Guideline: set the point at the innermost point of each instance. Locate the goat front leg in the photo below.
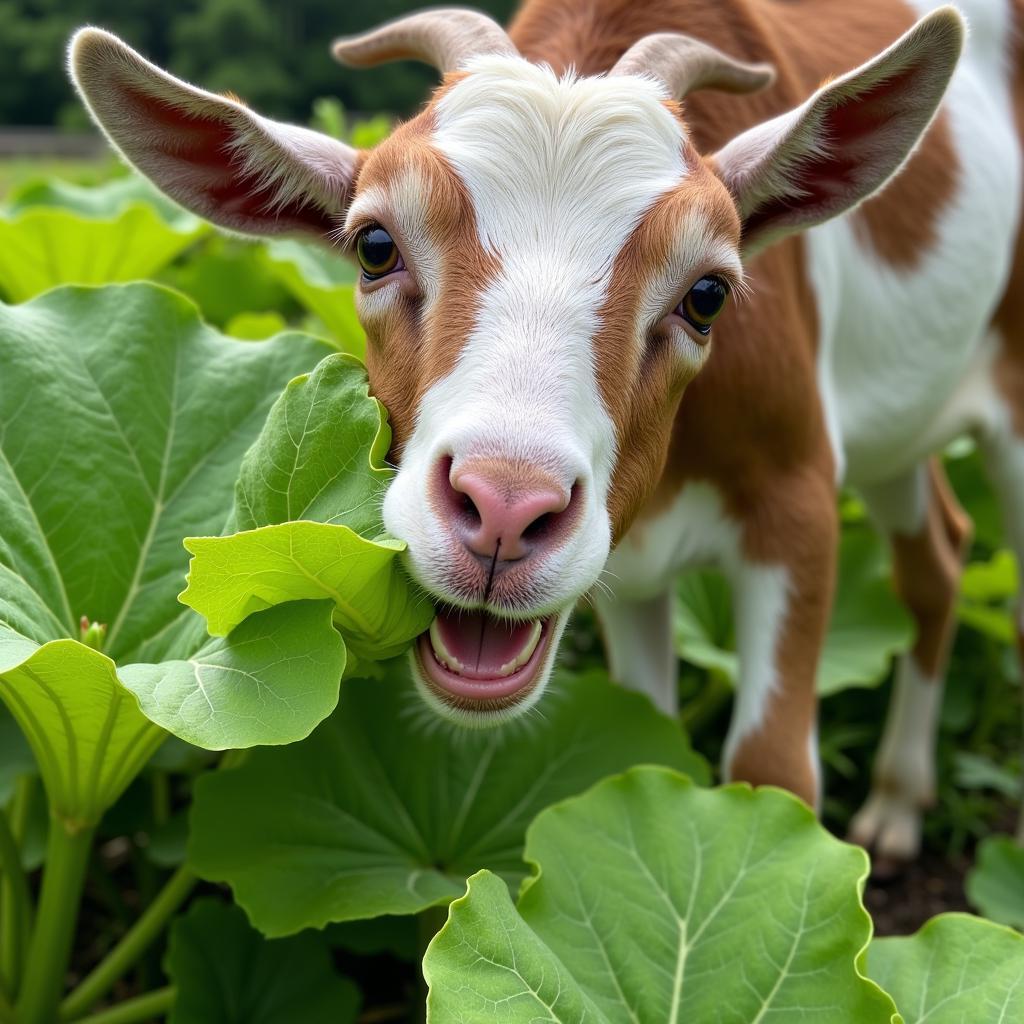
(638, 644)
(782, 581)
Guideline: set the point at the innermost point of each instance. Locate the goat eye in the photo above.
(703, 302)
(377, 252)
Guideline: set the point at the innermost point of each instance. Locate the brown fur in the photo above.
(642, 388)
(409, 350)
(927, 568)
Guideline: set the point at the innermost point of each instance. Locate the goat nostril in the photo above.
(470, 510)
(538, 527)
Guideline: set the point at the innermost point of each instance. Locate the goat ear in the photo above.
(846, 141)
(210, 153)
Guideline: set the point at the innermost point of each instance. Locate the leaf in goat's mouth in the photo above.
(480, 646)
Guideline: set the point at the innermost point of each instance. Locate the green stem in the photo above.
(153, 1004)
(135, 942)
(6, 1011)
(67, 854)
(16, 919)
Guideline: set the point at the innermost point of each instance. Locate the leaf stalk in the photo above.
(133, 1011)
(49, 951)
(16, 919)
(131, 947)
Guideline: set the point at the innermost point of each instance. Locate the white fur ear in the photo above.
(210, 153)
(846, 141)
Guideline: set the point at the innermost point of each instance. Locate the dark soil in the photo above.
(933, 884)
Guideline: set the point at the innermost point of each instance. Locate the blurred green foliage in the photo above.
(272, 53)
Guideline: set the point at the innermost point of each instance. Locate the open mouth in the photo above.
(475, 661)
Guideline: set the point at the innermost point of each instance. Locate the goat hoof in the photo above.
(889, 828)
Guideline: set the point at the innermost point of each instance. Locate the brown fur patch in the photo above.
(901, 223)
(412, 348)
(641, 384)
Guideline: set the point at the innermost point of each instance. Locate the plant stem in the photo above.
(6, 1011)
(67, 854)
(153, 1004)
(131, 947)
(16, 919)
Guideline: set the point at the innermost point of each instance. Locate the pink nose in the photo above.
(504, 510)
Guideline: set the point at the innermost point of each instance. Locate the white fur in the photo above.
(761, 597)
(639, 641)
(900, 352)
(890, 821)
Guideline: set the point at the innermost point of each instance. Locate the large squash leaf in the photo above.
(382, 811)
(995, 885)
(100, 202)
(308, 500)
(57, 233)
(868, 625)
(654, 900)
(226, 973)
(957, 969)
(123, 420)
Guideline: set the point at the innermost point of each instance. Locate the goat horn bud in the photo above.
(684, 64)
(445, 37)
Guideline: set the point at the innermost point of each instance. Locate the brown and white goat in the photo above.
(544, 250)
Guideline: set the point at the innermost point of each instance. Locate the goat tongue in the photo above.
(479, 646)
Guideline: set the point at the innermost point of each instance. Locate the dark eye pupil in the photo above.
(707, 297)
(376, 249)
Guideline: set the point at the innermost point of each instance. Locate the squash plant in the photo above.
(123, 423)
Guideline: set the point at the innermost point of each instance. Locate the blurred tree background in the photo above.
(272, 53)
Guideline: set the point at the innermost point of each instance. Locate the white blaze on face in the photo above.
(559, 172)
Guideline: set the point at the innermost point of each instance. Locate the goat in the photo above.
(544, 251)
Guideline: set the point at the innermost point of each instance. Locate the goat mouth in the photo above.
(475, 661)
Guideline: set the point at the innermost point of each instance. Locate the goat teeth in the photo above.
(525, 654)
(441, 652)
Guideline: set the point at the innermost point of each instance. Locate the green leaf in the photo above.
(15, 755)
(227, 277)
(255, 326)
(383, 811)
(375, 607)
(995, 885)
(324, 283)
(957, 969)
(86, 732)
(987, 593)
(654, 900)
(274, 679)
(319, 460)
(123, 421)
(101, 202)
(226, 973)
(43, 247)
(868, 626)
(321, 454)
